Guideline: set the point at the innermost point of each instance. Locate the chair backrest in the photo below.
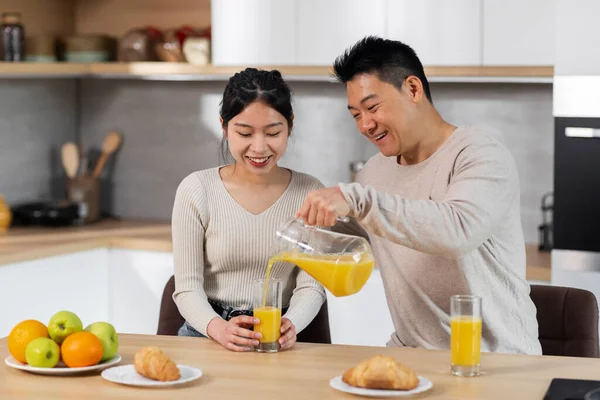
(317, 331)
(170, 320)
(567, 321)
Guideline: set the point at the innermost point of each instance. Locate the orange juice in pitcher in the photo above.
(341, 263)
(341, 275)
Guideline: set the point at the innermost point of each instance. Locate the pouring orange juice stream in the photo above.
(341, 275)
(341, 263)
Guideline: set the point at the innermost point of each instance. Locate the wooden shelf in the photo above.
(184, 71)
(42, 70)
(188, 72)
(500, 71)
(501, 74)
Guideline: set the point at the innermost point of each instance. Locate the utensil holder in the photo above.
(85, 191)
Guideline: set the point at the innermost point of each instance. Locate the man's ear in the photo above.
(415, 88)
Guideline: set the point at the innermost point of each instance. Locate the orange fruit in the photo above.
(23, 333)
(81, 349)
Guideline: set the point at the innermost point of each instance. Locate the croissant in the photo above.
(381, 372)
(152, 363)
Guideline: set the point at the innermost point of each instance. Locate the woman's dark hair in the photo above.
(390, 60)
(252, 85)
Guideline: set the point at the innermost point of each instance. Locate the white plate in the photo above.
(338, 384)
(127, 375)
(61, 368)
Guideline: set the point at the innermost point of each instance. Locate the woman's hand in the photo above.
(234, 334)
(288, 334)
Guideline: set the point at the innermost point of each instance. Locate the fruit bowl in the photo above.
(61, 368)
(62, 347)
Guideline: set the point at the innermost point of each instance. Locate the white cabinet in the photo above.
(327, 28)
(253, 32)
(362, 318)
(123, 287)
(578, 43)
(37, 289)
(442, 32)
(136, 280)
(519, 32)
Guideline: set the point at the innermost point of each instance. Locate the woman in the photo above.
(225, 219)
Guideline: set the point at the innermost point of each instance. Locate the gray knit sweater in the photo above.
(219, 248)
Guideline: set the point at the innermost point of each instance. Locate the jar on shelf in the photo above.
(13, 37)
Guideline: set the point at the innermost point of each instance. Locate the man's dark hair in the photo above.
(390, 60)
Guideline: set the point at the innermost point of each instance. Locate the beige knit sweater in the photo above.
(219, 248)
(449, 225)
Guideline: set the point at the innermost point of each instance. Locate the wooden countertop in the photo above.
(29, 243)
(23, 244)
(302, 372)
(538, 264)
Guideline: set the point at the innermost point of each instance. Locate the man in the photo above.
(440, 205)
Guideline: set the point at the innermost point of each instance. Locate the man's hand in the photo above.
(323, 206)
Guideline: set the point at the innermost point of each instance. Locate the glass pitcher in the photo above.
(341, 263)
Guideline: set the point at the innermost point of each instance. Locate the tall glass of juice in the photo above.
(465, 334)
(267, 308)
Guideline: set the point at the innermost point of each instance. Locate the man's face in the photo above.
(382, 113)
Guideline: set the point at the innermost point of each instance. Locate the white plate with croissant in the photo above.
(151, 367)
(380, 376)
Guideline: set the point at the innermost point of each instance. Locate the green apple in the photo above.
(108, 336)
(62, 324)
(42, 352)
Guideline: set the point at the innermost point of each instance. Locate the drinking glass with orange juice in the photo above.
(465, 334)
(267, 308)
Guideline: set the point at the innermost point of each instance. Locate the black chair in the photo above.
(567, 320)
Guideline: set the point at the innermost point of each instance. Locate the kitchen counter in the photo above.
(26, 243)
(303, 372)
(29, 243)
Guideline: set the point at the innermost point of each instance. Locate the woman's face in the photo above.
(257, 138)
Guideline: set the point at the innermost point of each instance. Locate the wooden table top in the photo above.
(302, 372)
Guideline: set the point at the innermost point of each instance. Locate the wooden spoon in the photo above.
(111, 143)
(70, 159)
